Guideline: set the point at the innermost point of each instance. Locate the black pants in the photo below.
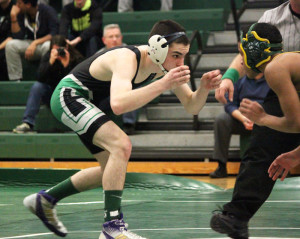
(253, 185)
(3, 66)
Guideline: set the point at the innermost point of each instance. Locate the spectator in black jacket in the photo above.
(55, 64)
(81, 24)
(32, 27)
(5, 34)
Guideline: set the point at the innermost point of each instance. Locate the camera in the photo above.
(61, 51)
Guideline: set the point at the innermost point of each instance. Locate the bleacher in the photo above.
(166, 140)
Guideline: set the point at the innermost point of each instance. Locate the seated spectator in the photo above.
(5, 36)
(81, 24)
(252, 86)
(112, 37)
(135, 5)
(55, 64)
(32, 26)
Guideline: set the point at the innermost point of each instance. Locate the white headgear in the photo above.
(158, 47)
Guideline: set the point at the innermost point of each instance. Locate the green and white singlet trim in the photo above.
(70, 103)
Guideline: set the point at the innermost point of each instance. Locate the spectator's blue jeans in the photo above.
(39, 93)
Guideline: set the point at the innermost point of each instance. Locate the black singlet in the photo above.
(101, 89)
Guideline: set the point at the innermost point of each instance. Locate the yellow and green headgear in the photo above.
(257, 50)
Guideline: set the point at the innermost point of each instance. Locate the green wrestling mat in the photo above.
(154, 206)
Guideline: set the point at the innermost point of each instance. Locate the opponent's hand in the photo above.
(252, 110)
(176, 77)
(211, 80)
(282, 165)
(225, 86)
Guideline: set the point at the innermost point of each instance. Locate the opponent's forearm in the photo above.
(296, 151)
(281, 124)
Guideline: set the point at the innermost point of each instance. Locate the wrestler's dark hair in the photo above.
(166, 27)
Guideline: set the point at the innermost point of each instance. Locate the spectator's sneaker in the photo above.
(42, 205)
(22, 128)
(227, 223)
(117, 229)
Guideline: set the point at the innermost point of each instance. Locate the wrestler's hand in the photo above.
(252, 110)
(211, 80)
(226, 86)
(176, 77)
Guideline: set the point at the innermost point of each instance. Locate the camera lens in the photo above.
(61, 51)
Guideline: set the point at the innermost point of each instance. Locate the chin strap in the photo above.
(163, 69)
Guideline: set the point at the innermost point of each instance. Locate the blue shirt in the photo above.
(251, 89)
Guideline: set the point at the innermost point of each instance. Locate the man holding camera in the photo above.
(55, 64)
